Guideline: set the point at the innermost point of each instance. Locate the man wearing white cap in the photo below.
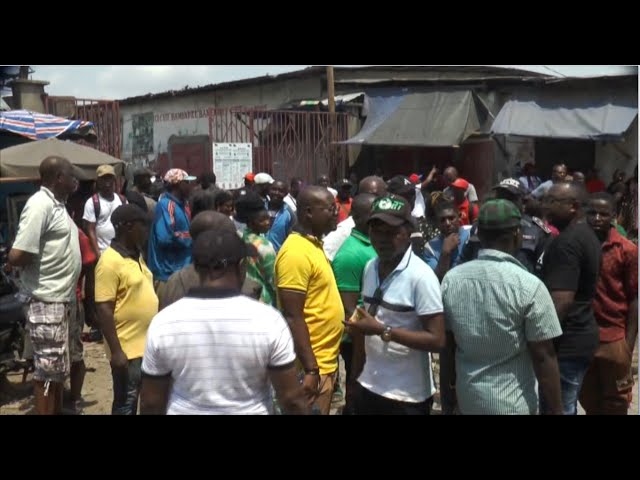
(170, 241)
(263, 182)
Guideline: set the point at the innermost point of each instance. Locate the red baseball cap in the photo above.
(460, 183)
(250, 176)
(414, 178)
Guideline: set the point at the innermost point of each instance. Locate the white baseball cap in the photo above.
(263, 178)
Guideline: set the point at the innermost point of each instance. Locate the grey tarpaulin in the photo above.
(590, 115)
(427, 117)
(24, 160)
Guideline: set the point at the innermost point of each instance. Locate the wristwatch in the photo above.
(386, 334)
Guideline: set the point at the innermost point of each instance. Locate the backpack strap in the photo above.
(96, 206)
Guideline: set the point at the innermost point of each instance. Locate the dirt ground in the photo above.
(16, 397)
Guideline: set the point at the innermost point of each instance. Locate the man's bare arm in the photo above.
(154, 395)
(545, 366)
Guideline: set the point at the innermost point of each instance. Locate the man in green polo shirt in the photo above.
(348, 268)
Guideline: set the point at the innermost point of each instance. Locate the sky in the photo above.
(116, 82)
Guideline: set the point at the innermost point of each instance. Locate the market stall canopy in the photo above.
(40, 126)
(23, 161)
(430, 117)
(599, 114)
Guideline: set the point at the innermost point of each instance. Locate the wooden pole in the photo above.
(331, 90)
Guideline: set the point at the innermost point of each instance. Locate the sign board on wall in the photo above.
(231, 162)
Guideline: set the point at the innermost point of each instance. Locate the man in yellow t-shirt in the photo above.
(126, 302)
(308, 296)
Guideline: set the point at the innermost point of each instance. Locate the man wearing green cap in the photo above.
(500, 323)
(402, 323)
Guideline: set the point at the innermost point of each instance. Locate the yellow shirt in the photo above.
(302, 266)
(129, 284)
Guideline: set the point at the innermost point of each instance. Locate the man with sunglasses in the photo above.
(402, 322)
(308, 296)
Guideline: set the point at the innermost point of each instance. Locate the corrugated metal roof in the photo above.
(417, 73)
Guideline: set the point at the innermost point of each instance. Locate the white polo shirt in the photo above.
(218, 350)
(392, 370)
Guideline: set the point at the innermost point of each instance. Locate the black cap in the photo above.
(140, 172)
(392, 210)
(128, 213)
(248, 204)
(345, 182)
(219, 249)
(400, 185)
(513, 186)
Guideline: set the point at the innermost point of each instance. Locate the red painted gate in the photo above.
(286, 144)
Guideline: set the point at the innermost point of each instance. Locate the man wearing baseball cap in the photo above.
(500, 323)
(263, 182)
(126, 302)
(402, 320)
(344, 200)
(98, 209)
(170, 241)
(536, 236)
(249, 179)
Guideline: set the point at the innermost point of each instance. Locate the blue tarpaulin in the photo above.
(40, 126)
(595, 115)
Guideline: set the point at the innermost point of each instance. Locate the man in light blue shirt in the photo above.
(558, 175)
(284, 219)
(500, 323)
(444, 252)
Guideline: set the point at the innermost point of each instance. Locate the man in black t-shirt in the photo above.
(571, 268)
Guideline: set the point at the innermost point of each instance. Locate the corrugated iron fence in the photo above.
(105, 115)
(286, 144)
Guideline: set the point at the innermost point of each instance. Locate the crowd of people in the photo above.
(242, 302)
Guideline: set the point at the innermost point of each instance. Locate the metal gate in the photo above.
(105, 115)
(286, 144)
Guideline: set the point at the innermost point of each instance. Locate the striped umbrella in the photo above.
(40, 126)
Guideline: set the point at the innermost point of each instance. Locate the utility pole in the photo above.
(331, 90)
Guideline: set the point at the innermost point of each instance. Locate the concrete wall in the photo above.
(622, 155)
(147, 126)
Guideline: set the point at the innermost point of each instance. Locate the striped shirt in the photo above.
(218, 351)
(494, 307)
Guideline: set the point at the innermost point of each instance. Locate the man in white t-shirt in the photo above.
(294, 189)
(402, 323)
(216, 351)
(98, 227)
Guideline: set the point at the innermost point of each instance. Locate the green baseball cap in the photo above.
(392, 210)
(499, 215)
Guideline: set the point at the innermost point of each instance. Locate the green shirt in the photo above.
(262, 268)
(348, 264)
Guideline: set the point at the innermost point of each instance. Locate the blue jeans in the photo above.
(572, 372)
(126, 388)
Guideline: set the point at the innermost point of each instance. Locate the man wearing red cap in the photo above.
(450, 175)
(468, 211)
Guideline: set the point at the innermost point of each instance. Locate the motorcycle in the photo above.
(12, 321)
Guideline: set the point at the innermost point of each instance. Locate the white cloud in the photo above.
(121, 81)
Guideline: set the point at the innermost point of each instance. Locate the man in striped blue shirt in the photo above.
(500, 323)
